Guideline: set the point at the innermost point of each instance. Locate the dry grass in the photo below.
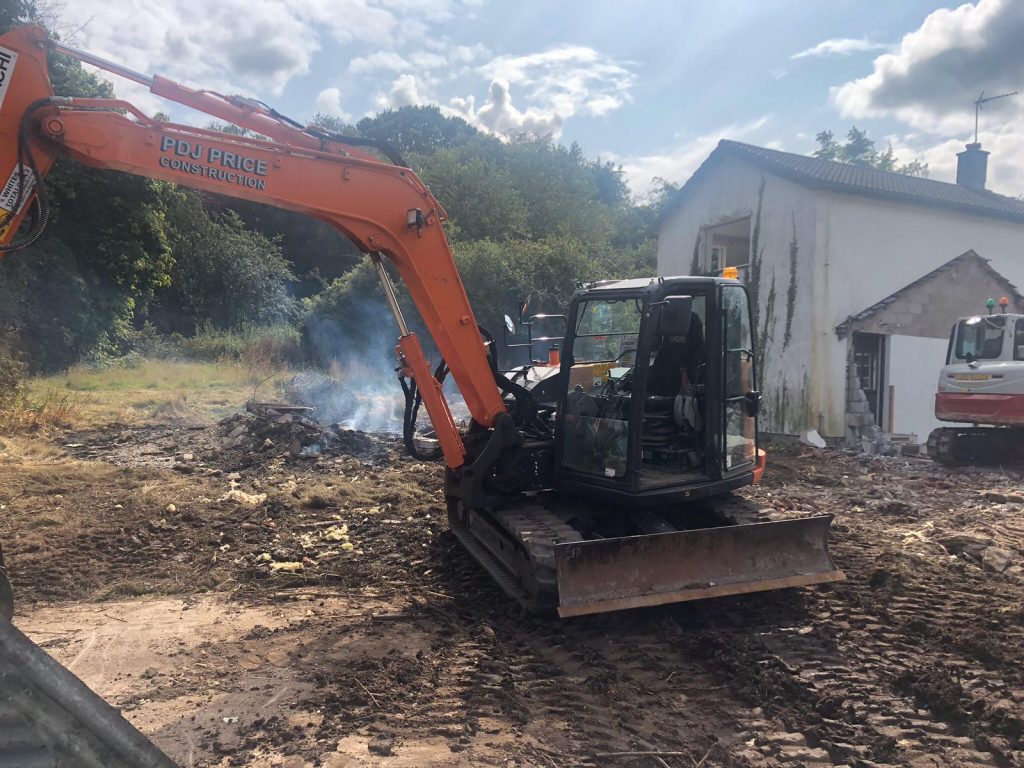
(88, 529)
(157, 391)
(48, 409)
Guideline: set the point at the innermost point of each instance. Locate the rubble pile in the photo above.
(283, 428)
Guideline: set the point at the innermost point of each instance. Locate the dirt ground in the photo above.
(247, 606)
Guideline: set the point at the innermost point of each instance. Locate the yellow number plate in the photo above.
(972, 376)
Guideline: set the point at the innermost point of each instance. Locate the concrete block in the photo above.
(861, 407)
(858, 420)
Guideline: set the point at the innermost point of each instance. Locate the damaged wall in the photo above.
(871, 249)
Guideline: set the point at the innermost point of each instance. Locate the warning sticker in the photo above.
(9, 194)
(8, 59)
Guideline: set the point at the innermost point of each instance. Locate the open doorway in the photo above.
(727, 245)
(869, 362)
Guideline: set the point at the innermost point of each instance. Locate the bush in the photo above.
(11, 372)
(19, 413)
(223, 276)
(267, 346)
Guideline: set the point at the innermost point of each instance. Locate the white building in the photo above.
(857, 276)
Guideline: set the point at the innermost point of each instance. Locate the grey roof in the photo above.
(814, 173)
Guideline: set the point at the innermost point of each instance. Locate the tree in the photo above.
(479, 194)
(15, 12)
(419, 130)
(224, 275)
(860, 150)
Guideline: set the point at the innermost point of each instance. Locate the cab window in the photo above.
(980, 338)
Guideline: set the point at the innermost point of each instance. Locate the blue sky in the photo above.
(653, 85)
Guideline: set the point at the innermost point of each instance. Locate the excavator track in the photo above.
(537, 555)
(516, 546)
(981, 446)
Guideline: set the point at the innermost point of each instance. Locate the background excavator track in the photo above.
(977, 446)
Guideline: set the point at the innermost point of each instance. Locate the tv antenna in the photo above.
(981, 102)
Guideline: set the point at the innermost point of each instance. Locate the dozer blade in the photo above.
(634, 571)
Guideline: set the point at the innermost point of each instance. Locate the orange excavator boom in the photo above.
(384, 208)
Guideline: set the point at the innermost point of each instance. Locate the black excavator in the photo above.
(648, 405)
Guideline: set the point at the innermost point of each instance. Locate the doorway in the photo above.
(869, 362)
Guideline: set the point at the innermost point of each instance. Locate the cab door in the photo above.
(740, 396)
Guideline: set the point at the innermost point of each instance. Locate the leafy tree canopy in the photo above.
(860, 150)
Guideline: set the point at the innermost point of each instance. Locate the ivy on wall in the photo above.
(756, 258)
(794, 252)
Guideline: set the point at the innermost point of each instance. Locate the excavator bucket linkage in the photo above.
(654, 569)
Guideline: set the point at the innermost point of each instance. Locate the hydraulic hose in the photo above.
(413, 400)
(41, 214)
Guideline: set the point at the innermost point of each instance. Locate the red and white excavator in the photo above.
(982, 387)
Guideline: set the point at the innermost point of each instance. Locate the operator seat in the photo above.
(677, 355)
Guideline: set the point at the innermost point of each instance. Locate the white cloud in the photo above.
(386, 60)
(841, 46)
(256, 44)
(404, 93)
(430, 65)
(553, 86)
(499, 115)
(1005, 170)
(566, 80)
(678, 163)
(937, 71)
(931, 79)
(328, 101)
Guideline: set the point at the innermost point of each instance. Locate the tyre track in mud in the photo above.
(595, 685)
(557, 693)
(911, 661)
(914, 660)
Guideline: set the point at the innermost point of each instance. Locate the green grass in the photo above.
(158, 390)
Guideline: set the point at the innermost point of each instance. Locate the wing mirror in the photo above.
(510, 326)
(752, 403)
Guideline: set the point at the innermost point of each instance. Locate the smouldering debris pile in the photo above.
(371, 405)
(282, 428)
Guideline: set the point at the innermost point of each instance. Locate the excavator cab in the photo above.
(650, 413)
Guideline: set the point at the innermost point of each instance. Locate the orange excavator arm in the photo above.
(384, 208)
